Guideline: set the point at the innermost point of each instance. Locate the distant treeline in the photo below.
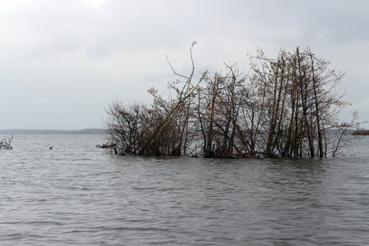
(280, 107)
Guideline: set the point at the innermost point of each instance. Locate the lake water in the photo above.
(76, 194)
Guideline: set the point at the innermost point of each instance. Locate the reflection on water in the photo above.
(78, 195)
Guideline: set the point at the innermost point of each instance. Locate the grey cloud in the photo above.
(81, 56)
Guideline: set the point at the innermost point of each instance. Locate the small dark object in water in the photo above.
(106, 146)
(51, 148)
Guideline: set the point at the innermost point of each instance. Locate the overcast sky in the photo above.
(63, 61)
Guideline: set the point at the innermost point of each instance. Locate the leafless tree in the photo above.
(5, 144)
(282, 107)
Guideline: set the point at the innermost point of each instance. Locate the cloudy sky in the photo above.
(63, 61)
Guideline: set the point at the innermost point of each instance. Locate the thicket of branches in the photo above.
(5, 144)
(284, 107)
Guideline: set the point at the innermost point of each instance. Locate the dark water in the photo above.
(77, 195)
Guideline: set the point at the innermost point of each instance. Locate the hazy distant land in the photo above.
(52, 131)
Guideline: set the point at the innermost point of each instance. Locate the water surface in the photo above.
(79, 195)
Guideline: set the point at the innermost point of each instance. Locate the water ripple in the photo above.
(82, 196)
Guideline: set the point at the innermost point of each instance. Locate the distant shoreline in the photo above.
(360, 133)
(52, 131)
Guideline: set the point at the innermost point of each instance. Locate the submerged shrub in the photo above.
(282, 108)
